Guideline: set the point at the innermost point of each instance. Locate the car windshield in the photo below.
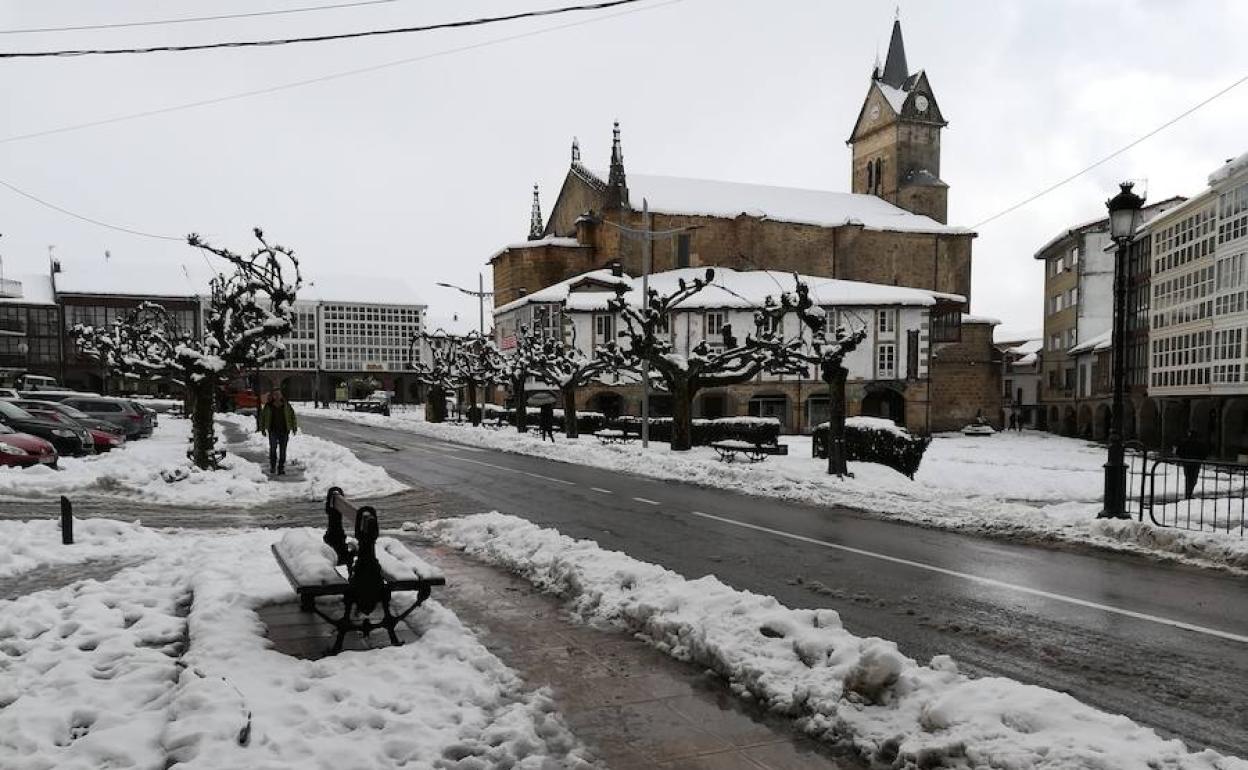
(14, 412)
(4, 429)
(77, 414)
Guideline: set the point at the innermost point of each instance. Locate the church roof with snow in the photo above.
(823, 208)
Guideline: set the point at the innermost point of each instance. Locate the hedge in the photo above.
(876, 440)
(756, 430)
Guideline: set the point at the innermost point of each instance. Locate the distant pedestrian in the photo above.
(1191, 450)
(277, 421)
(1013, 421)
(546, 422)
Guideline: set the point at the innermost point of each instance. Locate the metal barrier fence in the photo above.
(1196, 495)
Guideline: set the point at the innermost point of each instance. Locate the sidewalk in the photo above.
(637, 707)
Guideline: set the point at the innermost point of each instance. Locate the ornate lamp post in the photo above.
(1124, 218)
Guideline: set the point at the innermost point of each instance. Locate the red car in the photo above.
(23, 450)
(103, 436)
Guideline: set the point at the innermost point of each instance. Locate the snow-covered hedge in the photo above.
(756, 430)
(877, 440)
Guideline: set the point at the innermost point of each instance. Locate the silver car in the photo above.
(133, 421)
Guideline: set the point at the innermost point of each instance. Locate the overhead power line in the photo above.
(326, 78)
(196, 19)
(460, 24)
(85, 218)
(1110, 156)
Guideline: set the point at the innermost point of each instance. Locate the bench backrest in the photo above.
(365, 571)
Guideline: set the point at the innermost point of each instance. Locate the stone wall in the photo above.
(966, 380)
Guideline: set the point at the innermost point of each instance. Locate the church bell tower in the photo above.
(896, 139)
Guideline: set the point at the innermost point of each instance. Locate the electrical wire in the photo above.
(196, 19)
(1110, 156)
(327, 78)
(84, 218)
(460, 24)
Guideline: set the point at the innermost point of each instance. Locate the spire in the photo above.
(617, 185)
(535, 217)
(576, 151)
(895, 69)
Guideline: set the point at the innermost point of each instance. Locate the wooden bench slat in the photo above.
(307, 561)
(399, 564)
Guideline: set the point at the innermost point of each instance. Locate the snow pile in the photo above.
(166, 665)
(155, 470)
(803, 663)
(1030, 486)
(35, 543)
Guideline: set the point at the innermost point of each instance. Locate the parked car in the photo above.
(105, 435)
(119, 411)
(68, 440)
(8, 393)
(39, 382)
(54, 395)
(23, 450)
(150, 417)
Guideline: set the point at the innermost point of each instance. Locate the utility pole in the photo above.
(480, 294)
(645, 294)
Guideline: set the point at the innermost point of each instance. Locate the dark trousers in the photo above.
(1191, 475)
(277, 449)
(548, 432)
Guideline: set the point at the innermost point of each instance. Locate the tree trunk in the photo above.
(435, 405)
(203, 434)
(837, 462)
(682, 415)
(522, 408)
(474, 412)
(569, 411)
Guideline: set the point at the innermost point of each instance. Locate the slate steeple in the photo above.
(895, 69)
(536, 227)
(617, 185)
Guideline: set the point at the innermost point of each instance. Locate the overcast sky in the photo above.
(425, 169)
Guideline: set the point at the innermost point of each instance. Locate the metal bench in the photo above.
(613, 436)
(376, 568)
(731, 449)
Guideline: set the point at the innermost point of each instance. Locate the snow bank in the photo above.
(1030, 487)
(166, 664)
(36, 543)
(803, 663)
(155, 470)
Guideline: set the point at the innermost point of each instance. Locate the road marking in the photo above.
(497, 467)
(604, 491)
(377, 447)
(549, 478)
(647, 502)
(979, 579)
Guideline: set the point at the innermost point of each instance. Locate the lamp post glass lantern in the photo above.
(1124, 219)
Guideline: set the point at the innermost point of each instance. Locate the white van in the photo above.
(39, 382)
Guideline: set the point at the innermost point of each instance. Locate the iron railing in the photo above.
(1184, 493)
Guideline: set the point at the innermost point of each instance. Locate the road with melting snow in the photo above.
(1166, 645)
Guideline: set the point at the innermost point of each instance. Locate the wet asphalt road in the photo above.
(1134, 651)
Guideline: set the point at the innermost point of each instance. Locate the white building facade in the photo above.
(888, 373)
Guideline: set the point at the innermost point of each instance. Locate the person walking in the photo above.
(1190, 451)
(277, 421)
(546, 422)
(1013, 421)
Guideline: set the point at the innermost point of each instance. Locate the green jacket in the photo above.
(266, 416)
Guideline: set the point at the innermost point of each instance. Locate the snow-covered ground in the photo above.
(803, 663)
(1027, 486)
(166, 664)
(155, 470)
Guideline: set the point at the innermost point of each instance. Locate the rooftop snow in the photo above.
(736, 289)
(36, 290)
(1101, 341)
(712, 198)
(550, 240)
(1229, 169)
(559, 292)
(896, 97)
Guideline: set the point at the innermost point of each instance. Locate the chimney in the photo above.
(520, 292)
(617, 269)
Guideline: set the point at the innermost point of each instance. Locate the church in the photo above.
(889, 230)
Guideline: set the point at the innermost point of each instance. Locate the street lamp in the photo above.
(480, 294)
(1124, 218)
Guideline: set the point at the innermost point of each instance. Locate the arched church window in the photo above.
(870, 176)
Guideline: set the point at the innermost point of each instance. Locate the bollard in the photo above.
(67, 521)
